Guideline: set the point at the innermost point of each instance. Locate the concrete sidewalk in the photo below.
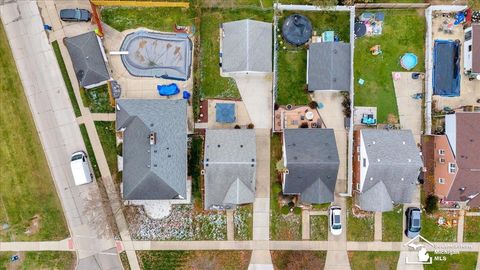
(55, 122)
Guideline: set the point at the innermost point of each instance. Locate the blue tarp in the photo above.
(168, 90)
(225, 112)
(446, 68)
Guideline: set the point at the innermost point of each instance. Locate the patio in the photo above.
(241, 117)
(296, 116)
(360, 112)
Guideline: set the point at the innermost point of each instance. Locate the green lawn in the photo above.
(26, 186)
(462, 261)
(66, 79)
(392, 225)
(435, 233)
(385, 260)
(124, 259)
(359, 229)
(243, 222)
(471, 231)
(205, 259)
(161, 19)
(211, 83)
(90, 153)
(39, 260)
(403, 31)
(194, 168)
(298, 259)
(282, 227)
(108, 139)
(319, 228)
(292, 62)
(97, 99)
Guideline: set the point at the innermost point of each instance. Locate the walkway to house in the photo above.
(378, 226)
(230, 226)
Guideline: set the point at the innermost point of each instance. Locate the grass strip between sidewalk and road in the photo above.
(66, 79)
(90, 153)
(29, 204)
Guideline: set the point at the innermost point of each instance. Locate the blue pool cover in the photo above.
(446, 68)
(225, 112)
(168, 90)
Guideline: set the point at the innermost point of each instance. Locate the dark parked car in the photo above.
(75, 15)
(413, 222)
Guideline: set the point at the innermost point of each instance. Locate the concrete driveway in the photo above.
(409, 109)
(256, 93)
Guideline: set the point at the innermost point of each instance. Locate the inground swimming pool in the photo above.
(160, 55)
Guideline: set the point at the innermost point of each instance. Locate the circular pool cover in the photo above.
(409, 61)
(297, 29)
(160, 55)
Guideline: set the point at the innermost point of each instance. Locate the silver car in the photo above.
(334, 220)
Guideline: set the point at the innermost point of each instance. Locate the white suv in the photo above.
(334, 220)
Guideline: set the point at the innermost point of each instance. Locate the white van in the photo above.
(80, 169)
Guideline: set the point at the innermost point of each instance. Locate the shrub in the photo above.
(297, 210)
(276, 106)
(304, 125)
(237, 127)
(250, 126)
(431, 204)
(313, 104)
(285, 210)
(276, 188)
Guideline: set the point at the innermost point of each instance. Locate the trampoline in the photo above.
(160, 55)
(409, 61)
(446, 68)
(360, 29)
(297, 29)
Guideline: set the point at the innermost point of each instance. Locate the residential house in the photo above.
(329, 66)
(387, 164)
(229, 168)
(246, 47)
(454, 160)
(154, 148)
(311, 164)
(88, 59)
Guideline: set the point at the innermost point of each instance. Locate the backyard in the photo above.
(359, 228)
(97, 99)
(471, 230)
(292, 61)
(360, 260)
(39, 260)
(462, 261)
(204, 259)
(123, 18)
(298, 259)
(403, 31)
(211, 83)
(392, 224)
(282, 226)
(29, 205)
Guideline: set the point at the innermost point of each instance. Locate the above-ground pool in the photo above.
(160, 55)
(446, 68)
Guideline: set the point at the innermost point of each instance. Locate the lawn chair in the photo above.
(368, 119)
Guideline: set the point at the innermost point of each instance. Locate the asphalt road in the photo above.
(59, 133)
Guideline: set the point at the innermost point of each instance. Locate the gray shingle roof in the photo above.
(158, 171)
(394, 159)
(329, 65)
(247, 46)
(312, 161)
(230, 167)
(87, 59)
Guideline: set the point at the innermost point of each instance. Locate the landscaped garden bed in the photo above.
(97, 99)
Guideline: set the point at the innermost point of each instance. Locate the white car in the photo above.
(334, 220)
(80, 169)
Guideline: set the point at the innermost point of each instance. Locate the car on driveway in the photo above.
(75, 15)
(334, 220)
(413, 220)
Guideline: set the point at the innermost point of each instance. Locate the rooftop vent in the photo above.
(153, 138)
(403, 142)
(373, 142)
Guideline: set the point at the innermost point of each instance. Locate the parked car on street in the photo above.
(80, 168)
(413, 220)
(75, 15)
(334, 220)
